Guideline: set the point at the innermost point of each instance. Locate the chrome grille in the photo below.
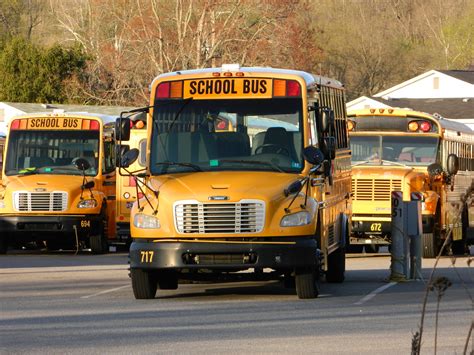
(245, 216)
(375, 189)
(40, 201)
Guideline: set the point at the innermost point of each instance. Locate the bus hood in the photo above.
(229, 186)
(43, 182)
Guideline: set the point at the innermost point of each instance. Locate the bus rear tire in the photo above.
(430, 249)
(307, 282)
(336, 266)
(144, 284)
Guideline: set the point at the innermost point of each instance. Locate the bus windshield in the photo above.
(51, 152)
(228, 134)
(407, 150)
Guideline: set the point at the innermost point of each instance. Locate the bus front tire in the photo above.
(307, 282)
(99, 243)
(144, 284)
(336, 266)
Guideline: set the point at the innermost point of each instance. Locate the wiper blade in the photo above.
(395, 163)
(28, 171)
(254, 162)
(188, 165)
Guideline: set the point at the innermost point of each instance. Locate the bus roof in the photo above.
(444, 123)
(311, 80)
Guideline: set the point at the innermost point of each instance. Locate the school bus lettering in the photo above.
(85, 224)
(376, 227)
(255, 86)
(221, 88)
(54, 123)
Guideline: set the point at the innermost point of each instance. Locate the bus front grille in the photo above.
(246, 216)
(25, 201)
(375, 189)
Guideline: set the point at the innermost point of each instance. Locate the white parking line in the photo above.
(106, 291)
(374, 293)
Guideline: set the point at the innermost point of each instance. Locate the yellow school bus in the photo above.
(266, 192)
(410, 151)
(58, 184)
(126, 186)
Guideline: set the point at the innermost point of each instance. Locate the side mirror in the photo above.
(82, 164)
(313, 155)
(122, 129)
(129, 158)
(453, 164)
(434, 169)
(120, 150)
(326, 119)
(88, 185)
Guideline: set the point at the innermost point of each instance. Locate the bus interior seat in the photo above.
(232, 144)
(406, 157)
(257, 140)
(280, 137)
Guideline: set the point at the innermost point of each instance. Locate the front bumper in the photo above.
(48, 227)
(288, 254)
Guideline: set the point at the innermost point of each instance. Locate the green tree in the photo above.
(29, 73)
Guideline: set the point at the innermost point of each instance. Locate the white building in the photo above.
(449, 93)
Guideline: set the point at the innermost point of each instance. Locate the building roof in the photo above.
(464, 75)
(48, 108)
(448, 108)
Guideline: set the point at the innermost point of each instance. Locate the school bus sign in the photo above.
(231, 87)
(49, 123)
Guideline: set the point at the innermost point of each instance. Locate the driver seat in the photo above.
(277, 136)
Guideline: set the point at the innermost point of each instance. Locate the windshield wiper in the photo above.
(254, 162)
(28, 171)
(188, 165)
(395, 163)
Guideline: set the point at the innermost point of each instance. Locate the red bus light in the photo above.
(293, 88)
(131, 181)
(163, 91)
(15, 124)
(94, 125)
(425, 126)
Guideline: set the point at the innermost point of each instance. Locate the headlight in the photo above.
(296, 219)
(89, 203)
(141, 220)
